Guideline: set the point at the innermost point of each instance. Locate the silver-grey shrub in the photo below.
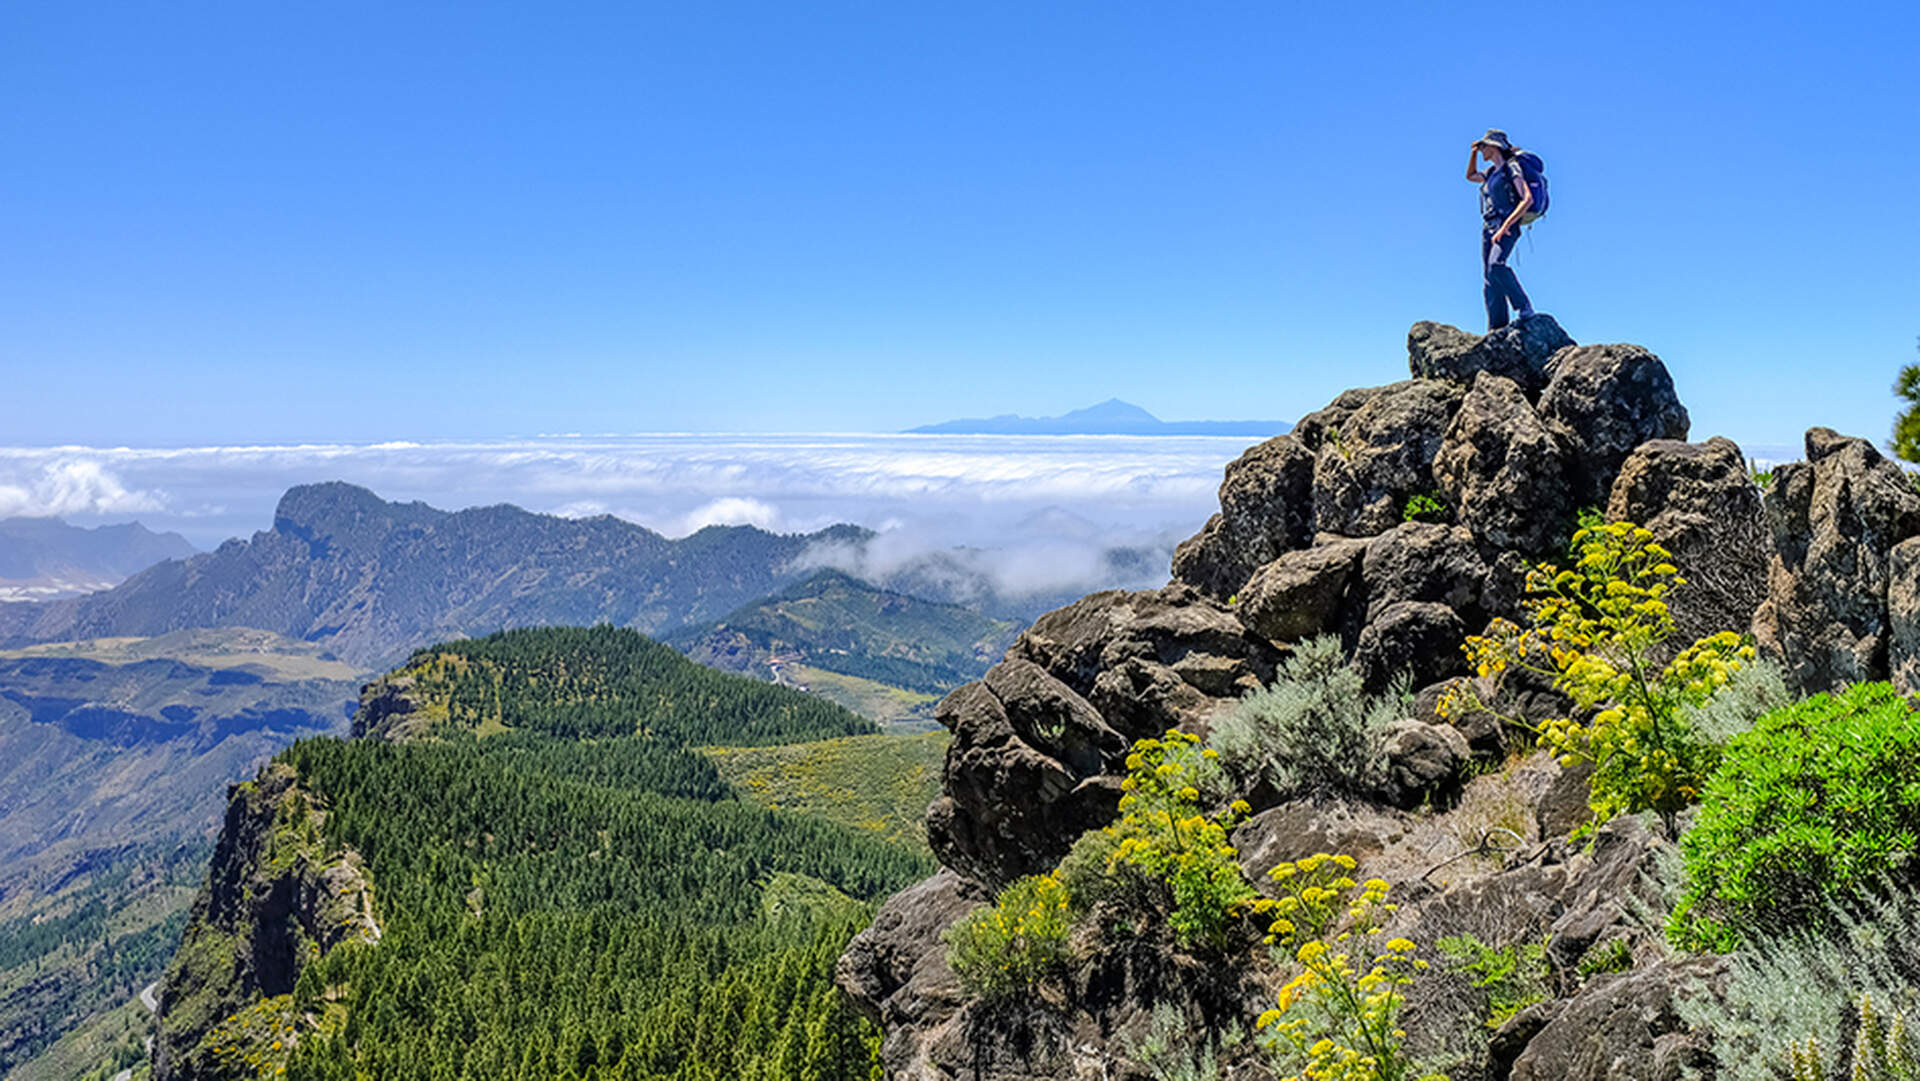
(1757, 688)
(1788, 990)
(1315, 729)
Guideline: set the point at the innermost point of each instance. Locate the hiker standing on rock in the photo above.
(1507, 202)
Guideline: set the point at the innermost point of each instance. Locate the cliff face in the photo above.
(276, 899)
(1319, 532)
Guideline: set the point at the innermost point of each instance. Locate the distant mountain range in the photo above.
(883, 654)
(1111, 417)
(45, 558)
(371, 580)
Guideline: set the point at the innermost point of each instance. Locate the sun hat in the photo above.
(1496, 138)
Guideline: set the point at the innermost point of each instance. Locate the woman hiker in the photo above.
(1504, 200)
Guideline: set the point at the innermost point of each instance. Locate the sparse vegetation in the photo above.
(1315, 728)
(1007, 947)
(1426, 507)
(1514, 976)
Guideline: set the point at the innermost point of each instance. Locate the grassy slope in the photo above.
(879, 783)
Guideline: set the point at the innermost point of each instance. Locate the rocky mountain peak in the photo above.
(1397, 519)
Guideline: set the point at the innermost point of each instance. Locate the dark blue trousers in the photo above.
(1502, 285)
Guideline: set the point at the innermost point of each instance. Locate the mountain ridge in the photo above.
(371, 579)
(44, 558)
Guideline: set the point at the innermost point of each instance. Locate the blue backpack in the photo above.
(1535, 172)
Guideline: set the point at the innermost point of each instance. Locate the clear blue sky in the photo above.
(242, 221)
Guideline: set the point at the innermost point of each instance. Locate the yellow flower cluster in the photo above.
(1334, 1020)
(1012, 945)
(1597, 631)
(1165, 832)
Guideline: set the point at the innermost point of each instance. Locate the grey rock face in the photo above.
(1303, 827)
(1300, 594)
(1518, 352)
(1424, 763)
(1622, 1027)
(1835, 518)
(1025, 774)
(1416, 639)
(1266, 508)
(1503, 472)
(895, 971)
(1382, 455)
(1701, 505)
(1314, 428)
(1903, 614)
(1601, 402)
(1419, 561)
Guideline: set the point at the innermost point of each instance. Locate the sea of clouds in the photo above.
(1030, 514)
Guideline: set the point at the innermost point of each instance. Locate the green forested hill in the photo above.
(575, 894)
(597, 682)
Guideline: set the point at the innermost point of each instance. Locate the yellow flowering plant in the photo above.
(1166, 832)
(1337, 1019)
(1598, 630)
(1009, 946)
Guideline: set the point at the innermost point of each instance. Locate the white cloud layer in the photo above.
(1028, 513)
(71, 486)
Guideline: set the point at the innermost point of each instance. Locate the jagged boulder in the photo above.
(1149, 660)
(1314, 429)
(1903, 614)
(1382, 455)
(1266, 508)
(1423, 764)
(896, 970)
(1835, 518)
(1025, 774)
(1300, 594)
(1624, 1027)
(1503, 472)
(1421, 561)
(1702, 505)
(1601, 402)
(1416, 640)
(1518, 352)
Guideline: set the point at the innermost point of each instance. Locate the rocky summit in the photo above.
(1399, 520)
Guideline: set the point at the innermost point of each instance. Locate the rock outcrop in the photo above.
(1701, 505)
(275, 898)
(1603, 401)
(1835, 520)
(1329, 530)
(1518, 352)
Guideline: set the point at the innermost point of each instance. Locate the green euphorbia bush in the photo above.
(1818, 800)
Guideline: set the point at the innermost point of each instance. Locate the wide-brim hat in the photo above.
(1497, 138)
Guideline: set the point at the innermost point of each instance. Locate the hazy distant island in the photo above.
(1111, 417)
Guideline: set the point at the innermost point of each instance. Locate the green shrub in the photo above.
(1010, 946)
(1756, 689)
(1428, 507)
(1613, 955)
(1314, 729)
(1818, 800)
(1883, 1050)
(1514, 976)
(1174, 1050)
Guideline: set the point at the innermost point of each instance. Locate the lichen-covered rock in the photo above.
(1623, 1027)
(1415, 640)
(1150, 660)
(1266, 508)
(1302, 827)
(1903, 614)
(1300, 593)
(1381, 456)
(1834, 518)
(1420, 561)
(1502, 471)
(1702, 505)
(896, 970)
(1423, 764)
(1601, 402)
(1315, 427)
(1026, 773)
(1518, 352)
